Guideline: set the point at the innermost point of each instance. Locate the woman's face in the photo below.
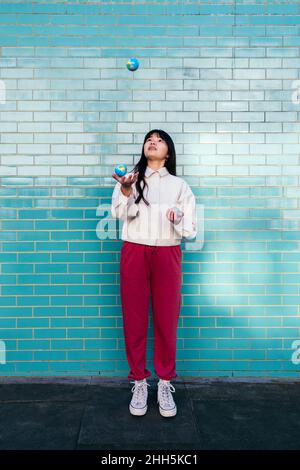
(155, 148)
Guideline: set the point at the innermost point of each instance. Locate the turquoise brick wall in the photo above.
(222, 77)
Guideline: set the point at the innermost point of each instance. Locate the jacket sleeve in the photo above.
(122, 206)
(187, 226)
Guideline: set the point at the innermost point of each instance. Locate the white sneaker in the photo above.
(167, 407)
(138, 405)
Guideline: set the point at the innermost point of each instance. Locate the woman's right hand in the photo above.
(127, 180)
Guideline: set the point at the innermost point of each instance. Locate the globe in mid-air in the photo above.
(132, 64)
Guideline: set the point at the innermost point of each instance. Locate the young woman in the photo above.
(158, 209)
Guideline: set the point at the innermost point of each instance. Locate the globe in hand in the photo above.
(179, 212)
(121, 170)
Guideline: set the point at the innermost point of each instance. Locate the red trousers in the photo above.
(147, 270)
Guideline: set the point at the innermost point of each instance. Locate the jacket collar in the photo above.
(162, 171)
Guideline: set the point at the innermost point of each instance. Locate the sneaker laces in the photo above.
(140, 387)
(165, 388)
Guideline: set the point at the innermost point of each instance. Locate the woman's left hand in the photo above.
(174, 215)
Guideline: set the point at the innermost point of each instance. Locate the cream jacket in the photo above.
(149, 225)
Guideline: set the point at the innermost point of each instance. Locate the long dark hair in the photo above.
(141, 165)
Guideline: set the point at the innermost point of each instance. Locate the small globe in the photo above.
(132, 64)
(121, 170)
